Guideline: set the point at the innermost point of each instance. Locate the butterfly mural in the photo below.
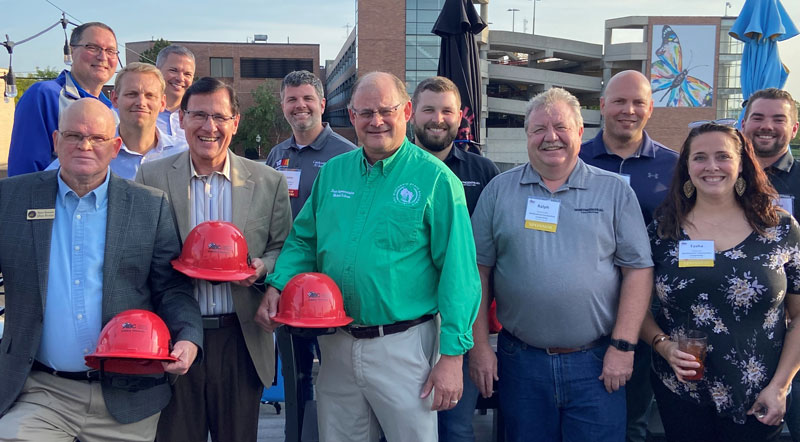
(672, 85)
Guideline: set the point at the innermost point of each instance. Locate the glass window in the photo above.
(428, 16)
(410, 4)
(411, 63)
(411, 15)
(221, 67)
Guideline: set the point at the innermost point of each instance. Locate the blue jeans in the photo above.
(455, 425)
(556, 397)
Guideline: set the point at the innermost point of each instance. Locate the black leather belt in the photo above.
(374, 331)
(89, 375)
(603, 340)
(220, 321)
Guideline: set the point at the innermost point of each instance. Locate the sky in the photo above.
(325, 22)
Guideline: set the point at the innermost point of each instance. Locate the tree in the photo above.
(264, 118)
(150, 55)
(24, 82)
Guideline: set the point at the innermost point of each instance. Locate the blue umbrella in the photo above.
(761, 25)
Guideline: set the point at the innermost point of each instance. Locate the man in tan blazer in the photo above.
(206, 183)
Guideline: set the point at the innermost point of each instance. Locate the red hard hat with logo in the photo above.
(312, 300)
(133, 342)
(215, 251)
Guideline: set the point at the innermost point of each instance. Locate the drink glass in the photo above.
(694, 342)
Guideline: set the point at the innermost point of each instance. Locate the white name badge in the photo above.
(624, 176)
(786, 202)
(292, 180)
(696, 254)
(33, 214)
(542, 214)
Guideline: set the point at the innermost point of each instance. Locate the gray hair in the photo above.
(299, 78)
(549, 97)
(173, 49)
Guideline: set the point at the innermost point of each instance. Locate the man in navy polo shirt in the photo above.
(624, 147)
(436, 118)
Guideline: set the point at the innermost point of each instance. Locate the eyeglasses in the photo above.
(730, 122)
(95, 50)
(75, 138)
(368, 114)
(201, 117)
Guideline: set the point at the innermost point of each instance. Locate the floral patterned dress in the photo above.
(739, 304)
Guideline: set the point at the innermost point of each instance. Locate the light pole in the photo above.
(258, 140)
(727, 5)
(533, 23)
(513, 12)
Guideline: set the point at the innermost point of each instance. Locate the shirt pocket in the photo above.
(401, 229)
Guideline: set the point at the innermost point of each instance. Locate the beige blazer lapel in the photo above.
(241, 191)
(179, 192)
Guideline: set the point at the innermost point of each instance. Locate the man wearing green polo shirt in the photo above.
(389, 224)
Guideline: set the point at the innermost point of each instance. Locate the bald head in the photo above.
(85, 143)
(626, 106)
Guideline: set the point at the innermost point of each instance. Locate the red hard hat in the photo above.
(312, 300)
(133, 342)
(215, 251)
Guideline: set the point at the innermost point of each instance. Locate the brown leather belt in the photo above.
(220, 321)
(374, 331)
(603, 340)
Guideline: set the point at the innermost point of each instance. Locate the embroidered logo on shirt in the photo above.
(652, 175)
(342, 193)
(406, 194)
(282, 163)
(471, 183)
(589, 210)
(319, 163)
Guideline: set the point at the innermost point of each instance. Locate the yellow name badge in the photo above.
(542, 214)
(35, 214)
(696, 254)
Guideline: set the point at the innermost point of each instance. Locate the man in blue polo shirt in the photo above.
(624, 147)
(95, 56)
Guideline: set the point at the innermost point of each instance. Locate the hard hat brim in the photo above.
(212, 275)
(312, 323)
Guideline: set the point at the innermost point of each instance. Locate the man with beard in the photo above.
(436, 118)
(770, 122)
(176, 64)
(624, 147)
(299, 158)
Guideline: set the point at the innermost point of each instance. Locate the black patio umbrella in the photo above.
(458, 60)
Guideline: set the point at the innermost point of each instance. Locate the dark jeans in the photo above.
(455, 425)
(556, 397)
(639, 394)
(686, 421)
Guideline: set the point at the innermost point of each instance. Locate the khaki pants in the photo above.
(53, 409)
(365, 385)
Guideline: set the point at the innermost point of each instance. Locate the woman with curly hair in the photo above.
(739, 292)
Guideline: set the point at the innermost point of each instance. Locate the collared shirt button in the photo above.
(77, 282)
(85, 350)
(77, 248)
(80, 316)
(78, 216)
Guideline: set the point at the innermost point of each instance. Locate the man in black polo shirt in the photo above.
(770, 122)
(299, 158)
(436, 118)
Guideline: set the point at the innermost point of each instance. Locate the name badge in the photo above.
(696, 254)
(542, 214)
(33, 214)
(624, 176)
(786, 202)
(292, 180)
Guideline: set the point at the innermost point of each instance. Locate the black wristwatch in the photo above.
(622, 345)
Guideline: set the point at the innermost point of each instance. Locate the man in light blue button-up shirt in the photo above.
(77, 247)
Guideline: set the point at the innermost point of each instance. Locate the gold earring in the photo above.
(688, 188)
(739, 186)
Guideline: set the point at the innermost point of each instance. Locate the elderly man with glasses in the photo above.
(389, 223)
(95, 57)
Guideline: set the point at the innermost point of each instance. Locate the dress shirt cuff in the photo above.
(455, 344)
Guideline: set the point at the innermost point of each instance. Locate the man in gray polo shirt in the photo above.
(568, 252)
(299, 158)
